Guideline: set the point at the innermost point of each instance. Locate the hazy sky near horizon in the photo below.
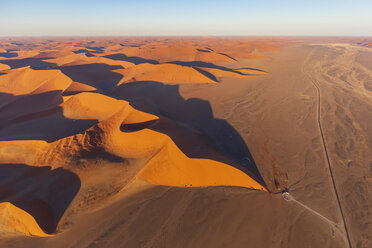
(185, 17)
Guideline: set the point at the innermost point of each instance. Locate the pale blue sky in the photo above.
(186, 17)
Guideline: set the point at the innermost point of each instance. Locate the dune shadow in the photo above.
(49, 125)
(90, 50)
(34, 63)
(131, 45)
(202, 64)
(98, 75)
(203, 50)
(15, 106)
(207, 74)
(132, 59)
(226, 55)
(37, 117)
(209, 50)
(134, 127)
(43, 192)
(8, 55)
(88, 53)
(195, 114)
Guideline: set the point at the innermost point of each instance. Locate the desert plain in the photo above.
(186, 142)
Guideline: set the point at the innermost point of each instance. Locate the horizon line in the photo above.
(244, 36)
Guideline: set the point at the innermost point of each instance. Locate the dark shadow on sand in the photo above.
(202, 64)
(48, 125)
(8, 55)
(98, 75)
(34, 63)
(203, 51)
(43, 192)
(132, 59)
(90, 50)
(38, 117)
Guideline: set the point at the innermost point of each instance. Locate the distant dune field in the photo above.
(185, 142)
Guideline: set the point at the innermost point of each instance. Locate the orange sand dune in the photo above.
(167, 164)
(4, 67)
(209, 50)
(205, 49)
(22, 89)
(171, 167)
(91, 106)
(58, 117)
(26, 80)
(13, 219)
(79, 87)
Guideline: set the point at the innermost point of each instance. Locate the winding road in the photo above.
(316, 85)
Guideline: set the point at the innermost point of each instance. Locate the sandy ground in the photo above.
(174, 142)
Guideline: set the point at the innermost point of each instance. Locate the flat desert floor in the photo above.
(186, 142)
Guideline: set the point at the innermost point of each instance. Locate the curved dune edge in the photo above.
(171, 167)
(26, 80)
(166, 73)
(136, 116)
(88, 105)
(14, 219)
(168, 165)
(79, 87)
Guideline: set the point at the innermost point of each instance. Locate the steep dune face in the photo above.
(15, 220)
(171, 167)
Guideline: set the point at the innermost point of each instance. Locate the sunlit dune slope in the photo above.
(79, 87)
(16, 220)
(4, 67)
(26, 80)
(171, 167)
(91, 106)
